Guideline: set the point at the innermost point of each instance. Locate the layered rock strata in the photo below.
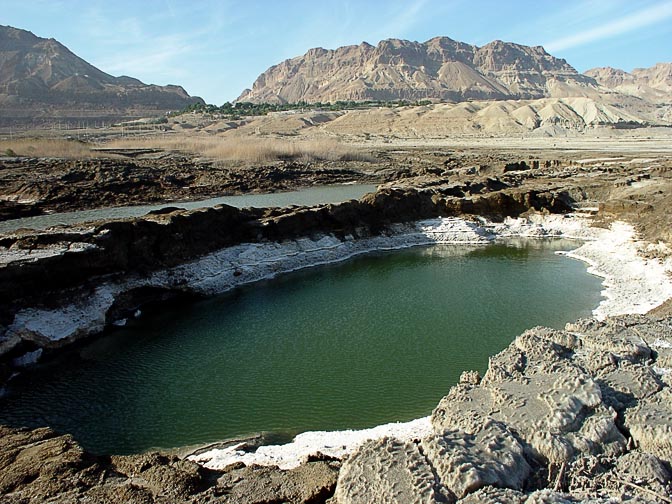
(439, 68)
(653, 83)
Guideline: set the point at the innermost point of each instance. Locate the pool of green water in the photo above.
(377, 339)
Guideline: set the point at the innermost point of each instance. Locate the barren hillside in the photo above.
(441, 69)
(43, 78)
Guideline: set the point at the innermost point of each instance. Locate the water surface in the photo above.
(308, 196)
(377, 339)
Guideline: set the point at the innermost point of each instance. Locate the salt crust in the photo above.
(332, 443)
(632, 284)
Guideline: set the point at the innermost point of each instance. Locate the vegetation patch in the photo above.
(46, 147)
(243, 109)
(258, 150)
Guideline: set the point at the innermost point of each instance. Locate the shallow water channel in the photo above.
(379, 338)
(307, 196)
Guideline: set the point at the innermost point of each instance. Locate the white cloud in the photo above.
(646, 17)
(400, 24)
(159, 56)
(149, 46)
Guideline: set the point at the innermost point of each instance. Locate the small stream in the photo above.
(308, 196)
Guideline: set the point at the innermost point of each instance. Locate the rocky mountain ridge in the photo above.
(41, 77)
(441, 69)
(653, 83)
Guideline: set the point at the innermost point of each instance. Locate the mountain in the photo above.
(41, 77)
(441, 69)
(652, 84)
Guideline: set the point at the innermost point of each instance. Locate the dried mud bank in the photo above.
(59, 285)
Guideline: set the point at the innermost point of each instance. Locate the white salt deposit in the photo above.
(335, 444)
(28, 358)
(632, 283)
(47, 326)
(661, 343)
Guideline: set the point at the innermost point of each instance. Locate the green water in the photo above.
(377, 339)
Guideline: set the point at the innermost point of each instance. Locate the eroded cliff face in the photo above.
(653, 84)
(441, 68)
(39, 264)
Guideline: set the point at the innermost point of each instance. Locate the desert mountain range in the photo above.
(440, 68)
(499, 88)
(42, 78)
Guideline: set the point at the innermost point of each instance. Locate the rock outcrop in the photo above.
(580, 415)
(42, 466)
(440, 69)
(38, 74)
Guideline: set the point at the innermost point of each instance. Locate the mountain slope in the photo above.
(440, 68)
(541, 117)
(652, 84)
(42, 76)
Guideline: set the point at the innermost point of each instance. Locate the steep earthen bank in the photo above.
(52, 268)
(140, 248)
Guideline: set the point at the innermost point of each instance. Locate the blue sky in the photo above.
(215, 49)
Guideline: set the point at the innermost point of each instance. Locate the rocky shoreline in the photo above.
(121, 265)
(561, 416)
(578, 415)
(35, 186)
